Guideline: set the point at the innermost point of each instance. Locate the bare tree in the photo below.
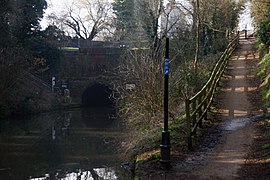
(87, 19)
(196, 59)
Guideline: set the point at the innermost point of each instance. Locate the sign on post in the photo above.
(53, 83)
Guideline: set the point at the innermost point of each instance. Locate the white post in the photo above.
(53, 83)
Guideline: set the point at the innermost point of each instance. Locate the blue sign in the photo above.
(166, 67)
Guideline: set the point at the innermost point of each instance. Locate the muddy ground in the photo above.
(234, 140)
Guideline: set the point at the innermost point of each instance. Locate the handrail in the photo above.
(198, 105)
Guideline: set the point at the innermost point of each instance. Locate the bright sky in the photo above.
(53, 6)
(245, 20)
(56, 6)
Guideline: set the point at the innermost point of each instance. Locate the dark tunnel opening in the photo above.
(97, 95)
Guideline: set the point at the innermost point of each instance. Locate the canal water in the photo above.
(75, 144)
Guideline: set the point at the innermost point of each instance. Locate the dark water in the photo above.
(77, 144)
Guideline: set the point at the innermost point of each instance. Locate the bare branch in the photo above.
(86, 18)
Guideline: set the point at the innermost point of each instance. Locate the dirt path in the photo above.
(225, 147)
(237, 109)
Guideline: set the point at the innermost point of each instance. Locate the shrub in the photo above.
(264, 71)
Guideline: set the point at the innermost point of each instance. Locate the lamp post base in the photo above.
(165, 148)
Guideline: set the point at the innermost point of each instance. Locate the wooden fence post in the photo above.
(206, 105)
(194, 116)
(189, 133)
(201, 108)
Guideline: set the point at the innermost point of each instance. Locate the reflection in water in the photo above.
(96, 173)
(77, 144)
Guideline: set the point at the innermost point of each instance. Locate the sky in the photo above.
(245, 20)
(56, 6)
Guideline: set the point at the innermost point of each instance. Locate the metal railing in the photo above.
(197, 106)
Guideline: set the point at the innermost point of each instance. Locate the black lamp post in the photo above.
(165, 142)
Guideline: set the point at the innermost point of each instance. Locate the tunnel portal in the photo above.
(97, 95)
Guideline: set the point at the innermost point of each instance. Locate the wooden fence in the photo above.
(198, 105)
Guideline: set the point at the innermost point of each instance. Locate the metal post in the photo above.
(165, 142)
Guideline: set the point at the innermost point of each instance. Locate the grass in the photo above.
(266, 146)
(148, 150)
(70, 49)
(148, 156)
(178, 132)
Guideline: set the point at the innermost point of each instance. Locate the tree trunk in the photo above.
(197, 36)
